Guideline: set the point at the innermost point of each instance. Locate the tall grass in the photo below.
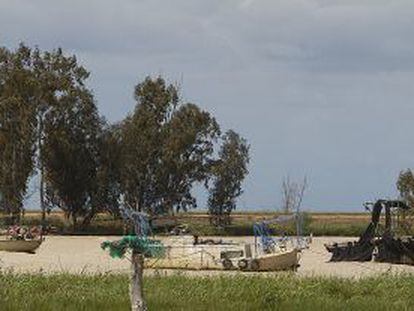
(104, 224)
(317, 228)
(337, 229)
(241, 292)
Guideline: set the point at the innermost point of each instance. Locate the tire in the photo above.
(227, 264)
(254, 265)
(243, 264)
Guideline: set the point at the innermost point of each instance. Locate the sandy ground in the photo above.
(82, 254)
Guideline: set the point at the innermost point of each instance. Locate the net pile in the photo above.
(139, 242)
(143, 245)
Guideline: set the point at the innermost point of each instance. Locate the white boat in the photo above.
(24, 246)
(281, 260)
(284, 260)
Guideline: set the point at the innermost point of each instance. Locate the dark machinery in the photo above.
(384, 246)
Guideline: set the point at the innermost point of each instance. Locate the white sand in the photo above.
(82, 254)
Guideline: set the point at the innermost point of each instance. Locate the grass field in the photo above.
(285, 292)
(320, 224)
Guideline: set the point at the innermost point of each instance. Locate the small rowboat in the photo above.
(286, 260)
(24, 246)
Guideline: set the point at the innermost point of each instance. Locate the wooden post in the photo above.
(41, 186)
(136, 285)
(247, 250)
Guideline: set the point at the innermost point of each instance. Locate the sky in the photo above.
(319, 88)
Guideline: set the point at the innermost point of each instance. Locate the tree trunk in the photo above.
(75, 222)
(42, 198)
(42, 194)
(88, 218)
(136, 285)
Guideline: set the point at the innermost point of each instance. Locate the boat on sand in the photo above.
(23, 246)
(284, 260)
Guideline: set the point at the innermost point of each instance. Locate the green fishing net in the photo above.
(148, 247)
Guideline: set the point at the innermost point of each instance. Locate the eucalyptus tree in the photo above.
(70, 132)
(167, 146)
(405, 187)
(107, 192)
(18, 90)
(229, 172)
(48, 118)
(61, 97)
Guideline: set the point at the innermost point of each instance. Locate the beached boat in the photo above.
(284, 260)
(24, 246)
(281, 260)
(183, 253)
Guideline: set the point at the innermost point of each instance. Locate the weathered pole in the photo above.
(41, 168)
(136, 284)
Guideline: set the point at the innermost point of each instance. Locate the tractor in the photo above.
(378, 241)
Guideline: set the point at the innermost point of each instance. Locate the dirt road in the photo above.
(82, 254)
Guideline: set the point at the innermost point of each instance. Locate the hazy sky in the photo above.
(322, 88)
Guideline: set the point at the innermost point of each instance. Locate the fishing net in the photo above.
(138, 219)
(139, 242)
(143, 245)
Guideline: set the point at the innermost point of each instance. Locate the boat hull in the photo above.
(281, 261)
(271, 262)
(23, 246)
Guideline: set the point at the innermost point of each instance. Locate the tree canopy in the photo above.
(229, 172)
(47, 117)
(150, 161)
(405, 185)
(167, 146)
(18, 90)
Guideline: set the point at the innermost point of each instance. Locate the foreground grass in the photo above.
(285, 292)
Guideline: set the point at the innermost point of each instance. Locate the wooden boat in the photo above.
(284, 260)
(287, 260)
(24, 246)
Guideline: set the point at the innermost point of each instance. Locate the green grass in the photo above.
(240, 228)
(337, 229)
(284, 292)
(242, 225)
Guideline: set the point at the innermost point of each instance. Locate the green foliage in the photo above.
(63, 292)
(166, 148)
(105, 224)
(107, 192)
(290, 227)
(70, 144)
(337, 229)
(46, 112)
(177, 292)
(18, 90)
(405, 186)
(228, 172)
(49, 122)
